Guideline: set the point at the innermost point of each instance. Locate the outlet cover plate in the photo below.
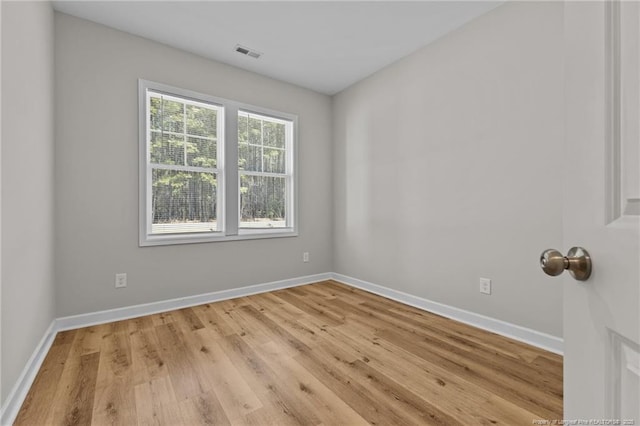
(485, 286)
(121, 280)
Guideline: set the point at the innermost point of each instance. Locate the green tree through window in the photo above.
(183, 151)
(262, 165)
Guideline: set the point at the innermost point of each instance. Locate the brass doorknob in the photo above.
(577, 261)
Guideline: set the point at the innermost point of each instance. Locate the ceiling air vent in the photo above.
(248, 52)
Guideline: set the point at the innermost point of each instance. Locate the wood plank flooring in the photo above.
(321, 354)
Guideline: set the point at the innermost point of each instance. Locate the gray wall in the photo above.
(96, 179)
(447, 168)
(27, 183)
(444, 168)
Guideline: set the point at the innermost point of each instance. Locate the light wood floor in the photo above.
(321, 354)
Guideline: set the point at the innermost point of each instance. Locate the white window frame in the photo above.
(228, 176)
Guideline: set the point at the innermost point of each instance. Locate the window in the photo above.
(183, 150)
(265, 170)
(213, 169)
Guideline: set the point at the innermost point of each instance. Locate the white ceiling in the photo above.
(324, 46)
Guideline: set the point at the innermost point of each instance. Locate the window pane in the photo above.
(255, 131)
(201, 121)
(249, 157)
(262, 202)
(155, 116)
(172, 116)
(274, 160)
(243, 128)
(167, 149)
(183, 202)
(274, 134)
(201, 152)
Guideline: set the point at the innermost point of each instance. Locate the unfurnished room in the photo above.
(320, 212)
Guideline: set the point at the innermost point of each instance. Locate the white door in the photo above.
(601, 211)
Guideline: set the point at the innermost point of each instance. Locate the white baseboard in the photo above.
(535, 338)
(18, 393)
(118, 314)
(16, 397)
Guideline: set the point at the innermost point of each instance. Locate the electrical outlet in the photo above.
(305, 256)
(485, 286)
(121, 280)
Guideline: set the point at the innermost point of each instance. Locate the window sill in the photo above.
(243, 234)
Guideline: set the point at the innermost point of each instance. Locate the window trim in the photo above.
(228, 176)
